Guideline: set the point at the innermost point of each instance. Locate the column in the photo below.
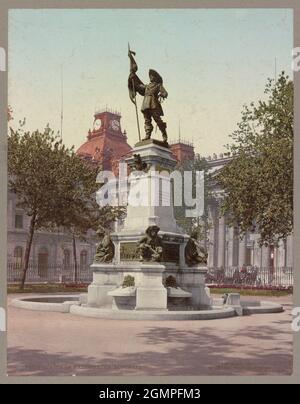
(242, 251)
(289, 251)
(10, 214)
(221, 242)
(256, 251)
(280, 254)
(230, 252)
(211, 238)
(265, 257)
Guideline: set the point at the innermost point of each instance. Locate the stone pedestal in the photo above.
(192, 279)
(151, 294)
(105, 279)
(156, 209)
(152, 190)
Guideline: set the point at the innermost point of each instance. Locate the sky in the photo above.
(212, 61)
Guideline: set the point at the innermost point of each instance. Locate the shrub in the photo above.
(128, 281)
(171, 282)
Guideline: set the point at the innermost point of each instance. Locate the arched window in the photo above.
(67, 259)
(83, 259)
(18, 256)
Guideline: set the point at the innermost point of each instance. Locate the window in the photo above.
(18, 256)
(66, 259)
(19, 221)
(83, 259)
(43, 262)
(248, 257)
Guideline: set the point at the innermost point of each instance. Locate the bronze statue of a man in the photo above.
(153, 93)
(150, 246)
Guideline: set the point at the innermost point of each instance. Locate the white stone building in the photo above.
(227, 250)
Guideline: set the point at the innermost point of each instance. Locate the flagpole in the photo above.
(137, 115)
(136, 110)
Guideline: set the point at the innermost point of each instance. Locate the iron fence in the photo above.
(232, 276)
(251, 276)
(49, 273)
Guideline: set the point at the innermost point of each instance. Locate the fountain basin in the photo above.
(74, 304)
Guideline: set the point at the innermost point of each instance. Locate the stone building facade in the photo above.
(51, 252)
(225, 247)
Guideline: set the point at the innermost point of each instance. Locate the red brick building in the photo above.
(106, 144)
(182, 150)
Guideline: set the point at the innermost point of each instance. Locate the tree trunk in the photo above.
(28, 249)
(75, 258)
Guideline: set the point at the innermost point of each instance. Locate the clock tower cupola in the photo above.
(106, 143)
(106, 122)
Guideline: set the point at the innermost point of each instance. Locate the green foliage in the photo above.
(47, 288)
(128, 281)
(251, 292)
(258, 182)
(50, 180)
(171, 282)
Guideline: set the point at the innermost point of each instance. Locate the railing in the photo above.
(233, 276)
(251, 276)
(49, 273)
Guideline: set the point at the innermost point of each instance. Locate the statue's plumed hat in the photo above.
(157, 76)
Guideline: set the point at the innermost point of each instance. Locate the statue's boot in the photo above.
(148, 130)
(148, 136)
(164, 135)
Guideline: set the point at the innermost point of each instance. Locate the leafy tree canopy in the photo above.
(258, 182)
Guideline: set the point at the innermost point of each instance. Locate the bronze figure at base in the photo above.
(150, 246)
(194, 255)
(105, 249)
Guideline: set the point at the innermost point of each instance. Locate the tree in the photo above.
(258, 182)
(88, 216)
(50, 182)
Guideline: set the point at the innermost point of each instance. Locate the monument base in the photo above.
(150, 278)
(149, 292)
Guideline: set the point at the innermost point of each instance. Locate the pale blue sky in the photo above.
(212, 61)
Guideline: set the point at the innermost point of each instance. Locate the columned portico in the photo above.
(227, 249)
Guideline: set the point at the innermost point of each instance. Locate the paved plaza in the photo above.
(48, 343)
